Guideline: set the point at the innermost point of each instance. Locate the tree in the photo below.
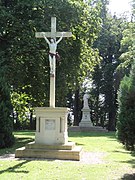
(128, 44)
(126, 111)
(84, 27)
(127, 47)
(28, 56)
(29, 67)
(108, 44)
(6, 121)
(22, 110)
(126, 101)
(27, 17)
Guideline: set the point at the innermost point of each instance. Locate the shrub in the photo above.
(126, 111)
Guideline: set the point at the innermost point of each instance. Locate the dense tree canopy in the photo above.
(116, 47)
(104, 76)
(27, 57)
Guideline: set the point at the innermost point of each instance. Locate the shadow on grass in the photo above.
(79, 144)
(132, 162)
(129, 177)
(22, 141)
(19, 142)
(123, 152)
(24, 132)
(133, 153)
(15, 169)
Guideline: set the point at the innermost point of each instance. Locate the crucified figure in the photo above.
(52, 53)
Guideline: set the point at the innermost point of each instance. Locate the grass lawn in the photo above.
(115, 162)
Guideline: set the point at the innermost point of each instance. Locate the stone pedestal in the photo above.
(86, 120)
(51, 125)
(51, 137)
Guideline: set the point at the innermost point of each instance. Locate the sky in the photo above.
(119, 6)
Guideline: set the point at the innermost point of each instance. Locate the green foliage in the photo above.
(126, 111)
(28, 56)
(133, 8)
(77, 53)
(22, 108)
(104, 75)
(128, 46)
(128, 43)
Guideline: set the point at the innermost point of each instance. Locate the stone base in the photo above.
(66, 151)
(85, 124)
(86, 120)
(87, 129)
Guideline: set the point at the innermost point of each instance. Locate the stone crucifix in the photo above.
(52, 53)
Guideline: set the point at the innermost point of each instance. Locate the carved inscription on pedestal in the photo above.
(49, 124)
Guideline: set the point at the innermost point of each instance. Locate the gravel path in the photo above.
(87, 158)
(93, 158)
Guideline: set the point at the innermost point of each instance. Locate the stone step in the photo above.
(74, 154)
(67, 146)
(87, 129)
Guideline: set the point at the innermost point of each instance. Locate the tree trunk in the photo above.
(111, 123)
(31, 120)
(76, 108)
(97, 110)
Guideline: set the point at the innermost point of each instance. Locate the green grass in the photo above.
(117, 163)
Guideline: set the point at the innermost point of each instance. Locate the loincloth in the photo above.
(56, 55)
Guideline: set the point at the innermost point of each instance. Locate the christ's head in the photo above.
(52, 40)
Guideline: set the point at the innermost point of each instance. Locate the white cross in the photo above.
(53, 34)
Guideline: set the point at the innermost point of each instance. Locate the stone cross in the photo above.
(53, 34)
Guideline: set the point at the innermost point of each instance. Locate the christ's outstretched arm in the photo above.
(46, 38)
(60, 38)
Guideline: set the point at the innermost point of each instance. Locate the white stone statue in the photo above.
(52, 53)
(85, 100)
